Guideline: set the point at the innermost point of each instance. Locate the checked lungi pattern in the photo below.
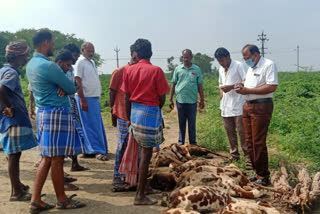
(122, 145)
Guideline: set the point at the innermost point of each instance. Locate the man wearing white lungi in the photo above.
(87, 97)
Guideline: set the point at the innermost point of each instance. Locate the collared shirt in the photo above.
(9, 77)
(87, 71)
(231, 104)
(145, 83)
(264, 73)
(115, 83)
(45, 78)
(187, 81)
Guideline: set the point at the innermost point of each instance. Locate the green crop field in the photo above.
(294, 133)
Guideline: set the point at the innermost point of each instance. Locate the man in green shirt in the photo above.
(186, 84)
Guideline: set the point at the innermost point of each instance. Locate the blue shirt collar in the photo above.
(10, 66)
(36, 54)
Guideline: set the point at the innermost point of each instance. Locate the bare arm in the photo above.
(112, 96)
(83, 102)
(31, 104)
(4, 101)
(172, 91)
(264, 89)
(162, 100)
(221, 94)
(200, 89)
(128, 105)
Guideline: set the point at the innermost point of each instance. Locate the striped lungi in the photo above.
(57, 132)
(146, 125)
(17, 139)
(122, 126)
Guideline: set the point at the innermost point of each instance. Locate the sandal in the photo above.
(39, 208)
(78, 168)
(249, 166)
(102, 157)
(69, 179)
(23, 196)
(70, 204)
(70, 187)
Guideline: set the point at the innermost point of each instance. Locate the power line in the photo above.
(117, 53)
(262, 37)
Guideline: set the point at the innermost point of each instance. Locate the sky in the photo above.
(173, 25)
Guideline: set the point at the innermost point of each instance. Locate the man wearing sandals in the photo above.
(56, 130)
(88, 102)
(15, 125)
(145, 87)
(231, 72)
(261, 81)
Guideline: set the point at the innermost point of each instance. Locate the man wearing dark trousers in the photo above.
(261, 81)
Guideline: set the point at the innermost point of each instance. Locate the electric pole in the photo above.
(263, 38)
(117, 51)
(297, 58)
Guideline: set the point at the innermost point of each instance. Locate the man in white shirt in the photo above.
(261, 81)
(231, 72)
(88, 94)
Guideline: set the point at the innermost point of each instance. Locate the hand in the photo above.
(84, 104)
(31, 113)
(114, 120)
(240, 89)
(129, 123)
(227, 88)
(61, 92)
(171, 105)
(201, 104)
(9, 112)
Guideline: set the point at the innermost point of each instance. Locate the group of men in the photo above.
(69, 121)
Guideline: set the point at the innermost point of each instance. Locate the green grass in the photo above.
(294, 132)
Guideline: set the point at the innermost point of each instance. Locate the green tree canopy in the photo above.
(61, 40)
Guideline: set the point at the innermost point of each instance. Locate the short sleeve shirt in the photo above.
(45, 78)
(9, 77)
(187, 81)
(119, 102)
(231, 104)
(87, 71)
(264, 73)
(145, 83)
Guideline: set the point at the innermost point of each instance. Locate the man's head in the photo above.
(141, 49)
(87, 50)
(251, 55)
(75, 50)
(64, 59)
(43, 42)
(17, 53)
(223, 57)
(187, 57)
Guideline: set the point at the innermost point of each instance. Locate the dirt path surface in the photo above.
(95, 184)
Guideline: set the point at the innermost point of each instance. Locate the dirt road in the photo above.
(95, 184)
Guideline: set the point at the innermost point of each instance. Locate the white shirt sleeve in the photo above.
(272, 75)
(79, 69)
(241, 72)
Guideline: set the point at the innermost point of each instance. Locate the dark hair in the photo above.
(41, 36)
(252, 48)
(72, 47)
(221, 52)
(188, 51)
(64, 55)
(11, 57)
(143, 48)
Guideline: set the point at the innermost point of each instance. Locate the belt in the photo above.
(262, 100)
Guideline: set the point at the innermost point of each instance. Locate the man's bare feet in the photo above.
(144, 201)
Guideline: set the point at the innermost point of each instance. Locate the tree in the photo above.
(203, 61)
(3, 44)
(61, 40)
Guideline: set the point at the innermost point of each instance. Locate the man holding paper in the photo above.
(231, 72)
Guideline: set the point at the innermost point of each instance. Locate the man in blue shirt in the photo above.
(15, 126)
(56, 130)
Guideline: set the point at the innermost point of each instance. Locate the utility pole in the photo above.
(262, 37)
(117, 51)
(297, 58)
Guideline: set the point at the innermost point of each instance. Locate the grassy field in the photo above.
(294, 133)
